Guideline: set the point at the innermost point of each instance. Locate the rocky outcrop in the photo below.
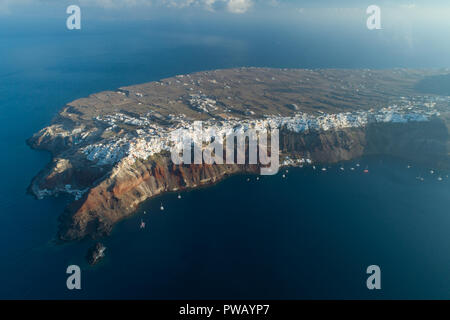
(95, 253)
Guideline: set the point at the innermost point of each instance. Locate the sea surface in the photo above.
(309, 235)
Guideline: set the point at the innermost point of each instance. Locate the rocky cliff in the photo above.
(110, 150)
(425, 143)
(118, 194)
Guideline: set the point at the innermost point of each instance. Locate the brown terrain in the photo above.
(115, 191)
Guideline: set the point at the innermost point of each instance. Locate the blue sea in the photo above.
(309, 235)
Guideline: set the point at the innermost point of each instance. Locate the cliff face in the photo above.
(422, 142)
(118, 193)
(128, 186)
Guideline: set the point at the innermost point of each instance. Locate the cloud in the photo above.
(6, 5)
(232, 6)
(112, 4)
(239, 6)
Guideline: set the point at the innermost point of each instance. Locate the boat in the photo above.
(366, 171)
(162, 207)
(142, 226)
(179, 196)
(439, 178)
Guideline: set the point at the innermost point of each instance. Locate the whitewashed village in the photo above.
(150, 138)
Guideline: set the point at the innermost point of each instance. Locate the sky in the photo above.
(409, 28)
(394, 12)
(15, 7)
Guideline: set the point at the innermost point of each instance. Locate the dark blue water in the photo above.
(308, 236)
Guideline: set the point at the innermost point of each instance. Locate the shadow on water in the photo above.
(439, 84)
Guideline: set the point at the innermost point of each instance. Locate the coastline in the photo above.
(110, 183)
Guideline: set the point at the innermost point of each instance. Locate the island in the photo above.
(95, 253)
(110, 151)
